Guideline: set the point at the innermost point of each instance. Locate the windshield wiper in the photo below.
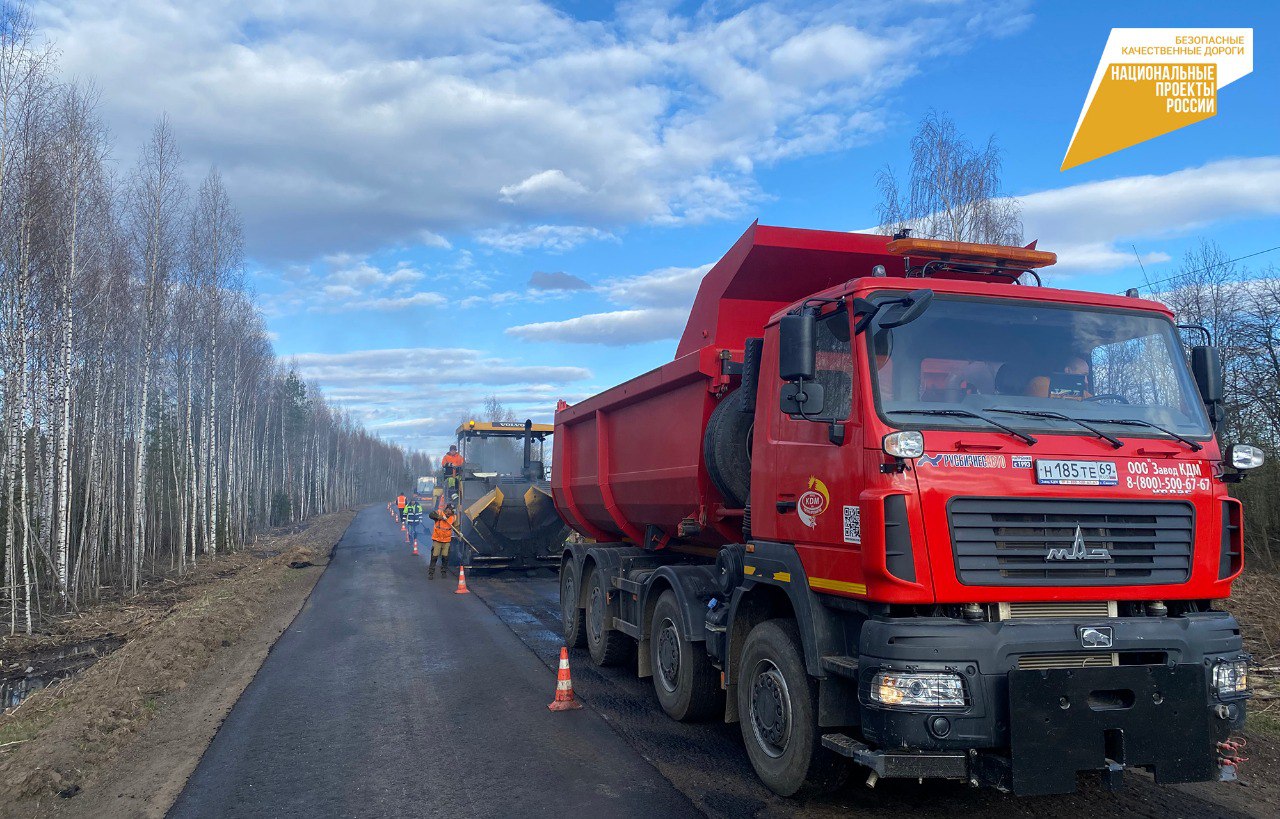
(962, 413)
(1115, 442)
(1138, 422)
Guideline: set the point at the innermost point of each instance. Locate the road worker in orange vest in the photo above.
(441, 537)
(400, 507)
(451, 465)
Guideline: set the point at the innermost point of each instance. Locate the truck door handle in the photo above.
(785, 506)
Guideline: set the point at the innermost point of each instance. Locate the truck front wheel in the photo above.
(777, 705)
(575, 636)
(607, 647)
(683, 677)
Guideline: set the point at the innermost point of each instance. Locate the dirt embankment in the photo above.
(122, 737)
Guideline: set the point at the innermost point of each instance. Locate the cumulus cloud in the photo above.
(615, 329)
(345, 282)
(658, 307)
(557, 280)
(555, 238)
(355, 126)
(1088, 225)
(386, 389)
(407, 366)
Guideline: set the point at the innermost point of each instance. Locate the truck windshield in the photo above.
(1108, 368)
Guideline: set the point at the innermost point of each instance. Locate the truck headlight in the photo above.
(1231, 678)
(1243, 456)
(912, 689)
(909, 444)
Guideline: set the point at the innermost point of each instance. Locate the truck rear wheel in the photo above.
(575, 636)
(777, 706)
(607, 647)
(683, 677)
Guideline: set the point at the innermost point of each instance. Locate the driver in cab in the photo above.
(1069, 381)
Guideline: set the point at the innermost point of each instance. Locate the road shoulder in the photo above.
(122, 738)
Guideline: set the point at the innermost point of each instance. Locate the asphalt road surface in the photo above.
(707, 761)
(390, 695)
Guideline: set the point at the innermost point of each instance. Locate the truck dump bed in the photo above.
(629, 457)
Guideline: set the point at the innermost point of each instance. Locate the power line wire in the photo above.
(1151, 284)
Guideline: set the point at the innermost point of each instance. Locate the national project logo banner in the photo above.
(1151, 81)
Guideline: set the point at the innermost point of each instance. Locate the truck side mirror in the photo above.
(1206, 365)
(798, 346)
(907, 310)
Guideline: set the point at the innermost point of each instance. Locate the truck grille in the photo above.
(1007, 541)
(1039, 662)
(1060, 610)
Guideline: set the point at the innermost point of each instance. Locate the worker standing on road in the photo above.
(400, 507)
(441, 537)
(451, 465)
(413, 516)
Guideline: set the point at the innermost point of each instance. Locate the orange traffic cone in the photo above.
(415, 545)
(462, 582)
(402, 529)
(564, 700)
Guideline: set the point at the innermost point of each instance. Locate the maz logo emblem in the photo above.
(1095, 636)
(1079, 550)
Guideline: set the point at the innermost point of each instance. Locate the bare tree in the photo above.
(953, 191)
(144, 417)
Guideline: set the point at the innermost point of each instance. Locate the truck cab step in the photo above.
(841, 666)
(900, 765)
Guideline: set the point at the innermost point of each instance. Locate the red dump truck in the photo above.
(894, 503)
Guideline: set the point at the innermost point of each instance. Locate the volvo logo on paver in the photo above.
(1079, 550)
(1095, 636)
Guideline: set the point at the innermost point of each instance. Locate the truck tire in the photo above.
(726, 449)
(686, 683)
(777, 705)
(607, 647)
(575, 636)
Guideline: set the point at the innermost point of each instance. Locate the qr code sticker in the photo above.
(853, 524)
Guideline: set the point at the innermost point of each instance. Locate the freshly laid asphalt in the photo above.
(390, 695)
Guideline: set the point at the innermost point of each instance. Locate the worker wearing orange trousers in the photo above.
(441, 537)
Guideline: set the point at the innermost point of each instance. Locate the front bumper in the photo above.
(1031, 731)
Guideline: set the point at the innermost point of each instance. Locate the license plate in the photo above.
(1077, 473)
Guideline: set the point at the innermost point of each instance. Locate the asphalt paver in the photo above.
(390, 695)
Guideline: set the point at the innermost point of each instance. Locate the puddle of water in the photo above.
(29, 673)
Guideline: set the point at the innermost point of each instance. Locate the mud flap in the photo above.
(1068, 720)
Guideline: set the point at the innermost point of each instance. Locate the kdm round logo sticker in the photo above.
(813, 502)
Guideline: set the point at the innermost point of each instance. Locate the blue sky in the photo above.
(447, 200)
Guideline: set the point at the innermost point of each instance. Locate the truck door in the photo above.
(814, 482)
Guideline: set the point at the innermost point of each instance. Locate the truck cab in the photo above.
(939, 521)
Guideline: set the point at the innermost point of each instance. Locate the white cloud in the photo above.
(355, 126)
(1089, 225)
(386, 390)
(410, 366)
(615, 329)
(391, 303)
(555, 238)
(551, 190)
(668, 287)
(658, 304)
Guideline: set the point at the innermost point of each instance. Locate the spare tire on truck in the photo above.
(726, 448)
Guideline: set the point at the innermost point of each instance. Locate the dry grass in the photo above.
(1255, 601)
(173, 630)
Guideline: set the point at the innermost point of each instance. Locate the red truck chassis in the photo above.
(980, 543)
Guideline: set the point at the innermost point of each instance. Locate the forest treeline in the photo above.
(1240, 307)
(147, 421)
